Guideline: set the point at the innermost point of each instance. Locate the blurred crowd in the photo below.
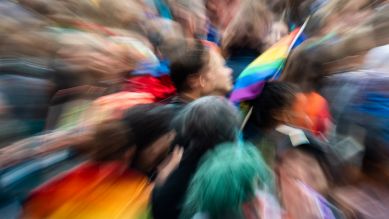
(120, 109)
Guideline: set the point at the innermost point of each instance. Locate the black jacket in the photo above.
(167, 198)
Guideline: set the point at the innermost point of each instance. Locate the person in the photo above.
(304, 179)
(220, 14)
(198, 72)
(279, 127)
(151, 120)
(153, 76)
(191, 15)
(276, 105)
(24, 68)
(362, 119)
(245, 37)
(212, 120)
(238, 188)
(122, 163)
(278, 120)
(339, 16)
(366, 194)
(309, 79)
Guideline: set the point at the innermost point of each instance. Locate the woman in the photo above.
(238, 188)
(124, 155)
(199, 72)
(200, 126)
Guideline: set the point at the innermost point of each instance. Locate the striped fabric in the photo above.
(268, 66)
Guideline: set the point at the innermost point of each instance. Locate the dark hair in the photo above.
(298, 10)
(275, 96)
(205, 123)
(375, 163)
(200, 126)
(110, 141)
(191, 62)
(141, 126)
(307, 76)
(148, 122)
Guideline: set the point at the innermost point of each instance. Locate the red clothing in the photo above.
(161, 87)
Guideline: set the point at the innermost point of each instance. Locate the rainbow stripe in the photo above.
(268, 66)
(92, 191)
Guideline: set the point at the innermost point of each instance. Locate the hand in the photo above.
(170, 164)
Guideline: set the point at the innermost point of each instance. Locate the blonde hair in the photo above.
(250, 26)
(339, 7)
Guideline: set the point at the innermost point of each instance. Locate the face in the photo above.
(217, 79)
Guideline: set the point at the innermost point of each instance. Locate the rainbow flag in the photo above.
(268, 66)
(92, 190)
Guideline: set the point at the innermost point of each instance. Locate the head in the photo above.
(221, 12)
(305, 163)
(299, 169)
(24, 33)
(221, 188)
(200, 71)
(279, 103)
(90, 57)
(98, 58)
(298, 10)
(46, 8)
(141, 139)
(343, 15)
(204, 123)
(28, 43)
(129, 51)
(308, 76)
(122, 14)
(372, 31)
(249, 28)
(191, 15)
(345, 54)
(380, 25)
(167, 37)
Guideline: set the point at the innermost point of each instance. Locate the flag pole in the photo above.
(246, 118)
